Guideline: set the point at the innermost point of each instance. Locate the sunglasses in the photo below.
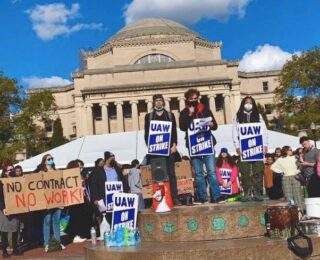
(10, 170)
(49, 159)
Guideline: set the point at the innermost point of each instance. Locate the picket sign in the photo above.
(159, 137)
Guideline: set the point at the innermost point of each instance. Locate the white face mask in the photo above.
(248, 106)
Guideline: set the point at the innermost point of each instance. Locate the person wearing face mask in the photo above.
(110, 171)
(52, 215)
(160, 114)
(193, 111)
(251, 172)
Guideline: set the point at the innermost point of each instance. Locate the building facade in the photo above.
(113, 89)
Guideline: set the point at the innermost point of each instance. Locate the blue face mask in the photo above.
(50, 162)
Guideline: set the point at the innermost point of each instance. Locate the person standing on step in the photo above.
(159, 113)
(198, 122)
(251, 171)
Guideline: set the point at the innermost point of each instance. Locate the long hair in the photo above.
(254, 116)
(42, 166)
(284, 151)
(228, 159)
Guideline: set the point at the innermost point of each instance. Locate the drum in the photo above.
(281, 221)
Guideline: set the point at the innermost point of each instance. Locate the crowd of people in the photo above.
(283, 174)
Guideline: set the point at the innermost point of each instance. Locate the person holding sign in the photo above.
(110, 172)
(8, 223)
(160, 135)
(250, 138)
(227, 174)
(198, 121)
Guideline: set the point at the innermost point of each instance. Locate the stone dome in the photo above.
(152, 27)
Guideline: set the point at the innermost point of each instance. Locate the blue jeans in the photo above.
(210, 163)
(54, 216)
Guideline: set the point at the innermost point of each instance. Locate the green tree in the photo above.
(9, 103)
(36, 113)
(57, 136)
(299, 77)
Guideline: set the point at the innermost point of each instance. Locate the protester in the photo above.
(251, 171)
(277, 153)
(52, 215)
(272, 180)
(308, 163)
(109, 172)
(227, 174)
(193, 111)
(135, 184)
(8, 223)
(18, 171)
(159, 113)
(287, 165)
(80, 221)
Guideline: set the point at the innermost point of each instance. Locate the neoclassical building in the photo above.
(113, 89)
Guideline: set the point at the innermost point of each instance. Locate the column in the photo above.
(89, 119)
(212, 103)
(105, 117)
(119, 116)
(182, 103)
(135, 115)
(227, 108)
(149, 105)
(167, 103)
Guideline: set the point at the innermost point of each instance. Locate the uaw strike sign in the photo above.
(226, 177)
(251, 142)
(112, 187)
(44, 190)
(159, 137)
(125, 210)
(200, 139)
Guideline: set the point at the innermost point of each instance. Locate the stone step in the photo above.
(247, 248)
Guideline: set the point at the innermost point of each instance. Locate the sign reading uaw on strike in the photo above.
(159, 137)
(112, 187)
(251, 142)
(125, 210)
(200, 138)
(44, 190)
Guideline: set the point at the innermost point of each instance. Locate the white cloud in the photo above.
(54, 81)
(185, 11)
(49, 21)
(265, 57)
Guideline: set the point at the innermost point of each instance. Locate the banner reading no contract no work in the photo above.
(44, 190)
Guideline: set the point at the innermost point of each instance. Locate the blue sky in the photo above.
(40, 39)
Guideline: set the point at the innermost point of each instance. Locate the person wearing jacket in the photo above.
(251, 171)
(109, 172)
(188, 117)
(227, 173)
(287, 165)
(160, 114)
(8, 223)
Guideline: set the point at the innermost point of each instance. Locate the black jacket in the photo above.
(164, 117)
(185, 121)
(98, 180)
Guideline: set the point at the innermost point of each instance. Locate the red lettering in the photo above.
(65, 197)
(20, 200)
(49, 200)
(73, 196)
(31, 197)
(57, 194)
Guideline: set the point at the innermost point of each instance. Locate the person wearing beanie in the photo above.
(159, 113)
(111, 171)
(189, 117)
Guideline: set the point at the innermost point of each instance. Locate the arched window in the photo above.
(154, 58)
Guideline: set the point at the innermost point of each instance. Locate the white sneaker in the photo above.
(78, 239)
(62, 246)
(46, 248)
